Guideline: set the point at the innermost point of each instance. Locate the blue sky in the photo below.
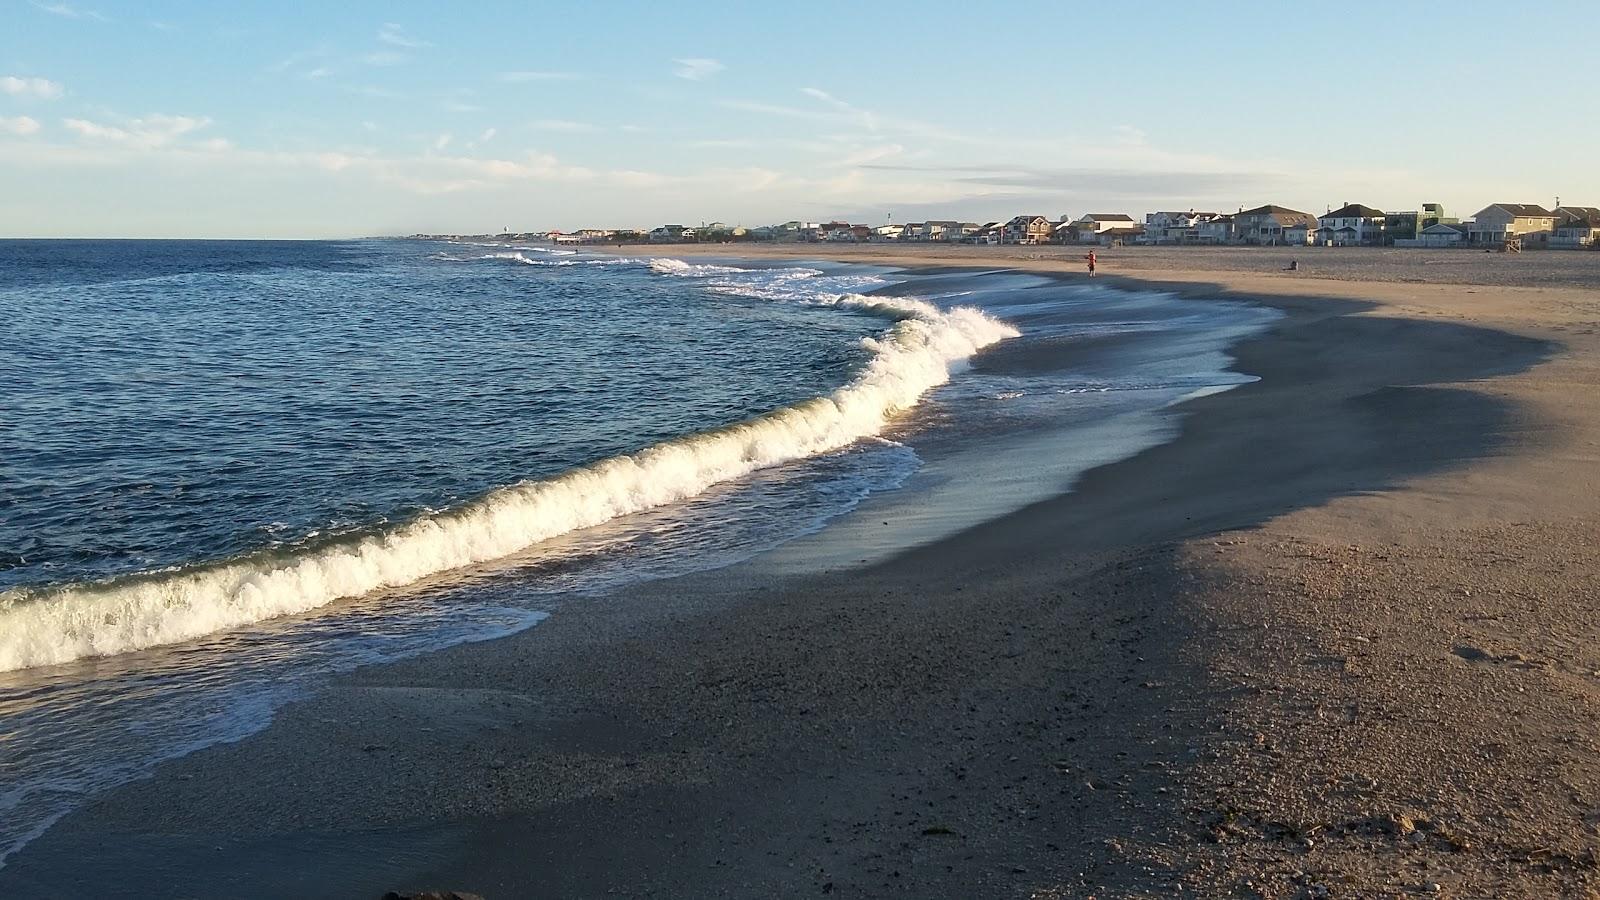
(253, 120)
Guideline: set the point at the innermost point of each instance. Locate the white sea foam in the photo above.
(917, 352)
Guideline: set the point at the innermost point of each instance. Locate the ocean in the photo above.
(230, 470)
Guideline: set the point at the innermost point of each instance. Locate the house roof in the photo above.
(1573, 213)
(1272, 210)
(1354, 211)
(1523, 209)
(1591, 223)
(1106, 217)
(1442, 227)
(1025, 219)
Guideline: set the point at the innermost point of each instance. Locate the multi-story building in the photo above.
(1353, 224)
(1267, 225)
(1528, 223)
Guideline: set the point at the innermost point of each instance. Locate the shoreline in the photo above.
(1079, 697)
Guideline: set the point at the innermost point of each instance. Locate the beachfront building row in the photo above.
(1497, 226)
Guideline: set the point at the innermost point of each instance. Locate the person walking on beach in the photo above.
(1091, 263)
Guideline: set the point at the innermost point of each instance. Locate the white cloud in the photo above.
(395, 36)
(456, 106)
(697, 68)
(147, 133)
(20, 125)
(69, 12)
(487, 136)
(564, 125)
(441, 142)
(38, 88)
(319, 72)
(867, 119)
(520, 77)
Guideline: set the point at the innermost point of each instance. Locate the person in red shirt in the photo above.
(1091, 263)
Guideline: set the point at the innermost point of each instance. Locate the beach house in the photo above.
(1267, 225)
(1351, 225)
(1175, 227)
(671, 233)
(947, 230)
(1090, 225)
(1027, 230)
(1527, 223)
(1578, 234)
(1218, 230)
(1439, 234)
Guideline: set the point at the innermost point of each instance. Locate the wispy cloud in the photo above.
(37, 88)
(69, 12)
(458, 106)
(395, 36)
(146, 133)
(564, 125)
(697, 68)
(865, 117)
(19, 125)
(441, 142)
(523, 77)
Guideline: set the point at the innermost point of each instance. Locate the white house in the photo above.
(1218, 230)
(888, 232)
(1352, 225)
(1529, 223)
(1175, 227)
(1090, 225)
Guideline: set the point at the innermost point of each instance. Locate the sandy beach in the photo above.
(1341, 638)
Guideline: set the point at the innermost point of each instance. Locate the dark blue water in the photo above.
(176, 401)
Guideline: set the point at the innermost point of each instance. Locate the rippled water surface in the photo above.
(230, 470)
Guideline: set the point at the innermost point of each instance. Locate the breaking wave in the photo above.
(918, 351)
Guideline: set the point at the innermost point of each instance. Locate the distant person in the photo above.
(1092, 261)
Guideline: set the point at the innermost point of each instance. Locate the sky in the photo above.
(238, 120)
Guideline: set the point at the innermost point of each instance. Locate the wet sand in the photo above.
(1337, 639)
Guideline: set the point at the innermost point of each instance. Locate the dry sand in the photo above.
(1339, 639)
